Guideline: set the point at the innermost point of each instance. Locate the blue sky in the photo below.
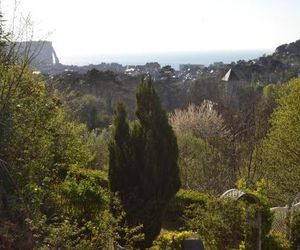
(92, 27)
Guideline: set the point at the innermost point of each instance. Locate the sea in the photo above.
(171, 58)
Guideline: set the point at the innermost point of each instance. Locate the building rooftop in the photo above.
(230, 76)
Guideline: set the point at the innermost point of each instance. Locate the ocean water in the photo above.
(173, 59)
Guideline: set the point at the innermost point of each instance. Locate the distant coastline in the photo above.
(172, 58)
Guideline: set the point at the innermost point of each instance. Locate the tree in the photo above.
(98, 144)
(202, 167)
(262, 114)
(167, 72)
(160, 178)
(206, 88)
(143, 162)
(203, 141)
(201, 121)
(281, 148)
(120, 154)
(90, 110)
(38, 144)
(43, 179)
(264, 109)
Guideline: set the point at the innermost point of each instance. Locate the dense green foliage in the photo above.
(143, 162)
(219, 223)
(49, 198)
(280, 157)
(171, 240)
(228, 224)
(39, 145)
(202, 167)
(174, 217)
(295, 230)
(91, 110)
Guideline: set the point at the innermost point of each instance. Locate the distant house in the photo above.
(230, 76)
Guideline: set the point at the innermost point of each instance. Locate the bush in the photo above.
(202, 166)
(220, 223)
(171, 240)
(82, 193)
(276, 242)
(184, 198)
(227, 223)
(262, 206)
(67, 233)
(295, 229)
(98, 144)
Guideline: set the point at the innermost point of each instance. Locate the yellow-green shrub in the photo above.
(171, 240)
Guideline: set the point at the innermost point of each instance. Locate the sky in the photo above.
(91, 27)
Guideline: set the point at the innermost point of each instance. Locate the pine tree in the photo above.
(118, 151)
(160, 174)
(160, 152)
(143, 163)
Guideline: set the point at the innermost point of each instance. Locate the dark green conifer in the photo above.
(158, 166)
(119, 150)
(143, 162)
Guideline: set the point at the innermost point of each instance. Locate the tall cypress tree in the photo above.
(118, 151)
(158, 166)
(145, 171)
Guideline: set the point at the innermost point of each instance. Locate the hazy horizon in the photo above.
(166, 58)
(91, 27)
